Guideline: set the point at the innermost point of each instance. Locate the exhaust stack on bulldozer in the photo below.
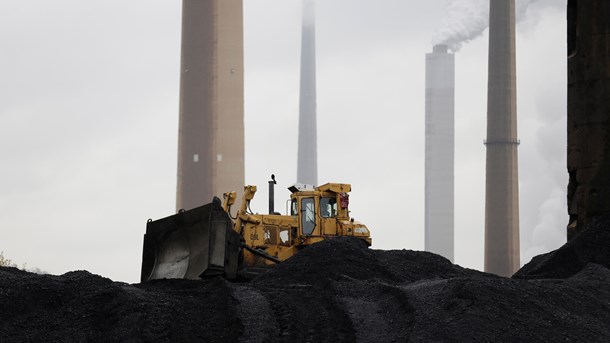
(206, 241)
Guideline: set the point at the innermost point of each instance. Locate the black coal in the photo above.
(334, 291)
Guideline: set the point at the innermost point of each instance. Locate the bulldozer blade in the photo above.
(191, 244)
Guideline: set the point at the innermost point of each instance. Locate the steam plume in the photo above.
(467, 19)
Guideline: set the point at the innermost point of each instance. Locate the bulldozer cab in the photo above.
(317, 214)
(323, 212)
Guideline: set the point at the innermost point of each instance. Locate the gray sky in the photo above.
(89, 122)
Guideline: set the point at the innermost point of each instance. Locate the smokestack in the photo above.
(211, 128)
(501, 191)
(272, 184)
(439, 165)
(307, 165)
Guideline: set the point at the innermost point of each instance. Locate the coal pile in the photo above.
(591, 246)
(334, 291)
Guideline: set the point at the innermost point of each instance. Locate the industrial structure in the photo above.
(588, 112)
(307, 164)
(439, 164)
(502, 183)
(211, 128)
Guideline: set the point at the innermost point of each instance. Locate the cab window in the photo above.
(293, 208)
(308, 216)
(328, 207)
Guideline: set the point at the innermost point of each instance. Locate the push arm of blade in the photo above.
(260, 253)
(229, 200)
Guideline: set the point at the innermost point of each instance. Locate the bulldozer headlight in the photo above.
(361, 230)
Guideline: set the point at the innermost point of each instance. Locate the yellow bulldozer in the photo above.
(207, 241)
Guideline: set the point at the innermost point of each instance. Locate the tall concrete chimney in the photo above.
(211, 128)
(588, 112)
(502, 183)
(307, 165)
(439, 165)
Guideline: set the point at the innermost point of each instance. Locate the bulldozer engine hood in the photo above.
(356, 229)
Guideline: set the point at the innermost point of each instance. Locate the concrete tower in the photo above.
(501, 191)
(307, 165)
(440, 125)
(211, 129)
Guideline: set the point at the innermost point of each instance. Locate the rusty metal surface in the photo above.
(588, 112)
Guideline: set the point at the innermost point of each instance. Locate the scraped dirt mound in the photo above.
(334, 291)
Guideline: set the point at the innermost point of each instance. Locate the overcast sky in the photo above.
(89, 122)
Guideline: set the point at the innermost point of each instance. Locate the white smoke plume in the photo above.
(467, 20)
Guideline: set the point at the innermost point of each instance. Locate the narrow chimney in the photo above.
(439, 165)
(501, 191)
(211, 126)
(307, 164)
